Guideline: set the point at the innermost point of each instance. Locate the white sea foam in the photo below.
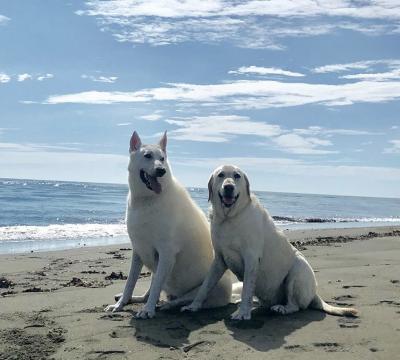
(61, 232)
(338, 221)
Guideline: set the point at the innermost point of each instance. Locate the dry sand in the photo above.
(51, 306)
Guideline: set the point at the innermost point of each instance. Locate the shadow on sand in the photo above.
(264, 332)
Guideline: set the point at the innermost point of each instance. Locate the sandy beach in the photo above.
(52, 307)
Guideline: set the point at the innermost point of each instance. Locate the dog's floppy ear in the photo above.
(247, 184)
(135, 142)
(163, 142)
(210, 184)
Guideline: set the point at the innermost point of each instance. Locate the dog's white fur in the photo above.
(247, 242)
(170, 235)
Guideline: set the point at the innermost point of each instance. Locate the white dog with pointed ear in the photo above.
(170, 235)
(247, 242)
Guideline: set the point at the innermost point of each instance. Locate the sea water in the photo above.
(40, 215)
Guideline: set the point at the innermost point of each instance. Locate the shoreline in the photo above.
(39, 246)
(52, 307)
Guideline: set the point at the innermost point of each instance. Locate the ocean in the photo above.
(41, 215)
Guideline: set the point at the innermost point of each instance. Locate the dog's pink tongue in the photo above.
(155, 185)
(228, 200)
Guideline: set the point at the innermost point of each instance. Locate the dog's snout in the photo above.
(160, 171)
(229, 189)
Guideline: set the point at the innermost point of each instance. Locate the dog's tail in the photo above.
(319, 304)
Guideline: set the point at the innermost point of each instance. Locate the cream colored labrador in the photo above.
(247, 242)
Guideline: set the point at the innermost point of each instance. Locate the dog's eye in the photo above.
(237, 176)
(221, 175)
(162, 159)
(148, 156)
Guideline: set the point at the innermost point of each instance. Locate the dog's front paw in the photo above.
(241, 315)
(145, 313)
(118, 306)
(193, 307)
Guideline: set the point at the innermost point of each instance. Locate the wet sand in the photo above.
(52, 307)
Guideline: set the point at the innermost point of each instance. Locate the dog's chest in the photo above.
(148, 228)
(230, 244)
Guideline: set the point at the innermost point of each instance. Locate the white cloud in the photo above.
(152, 117)
(124, 124)
(220, 128)
(253, 24)
(103, 79)
(256, 94)
(33, 147)
(394, 74)
(23, 77)
(318, 130)
(258, 70)
(4, 78)
(4, 19)
(378, 9)
(394, 148)
(44, 77)
(359, 65)
(296, 144)
(224, 128)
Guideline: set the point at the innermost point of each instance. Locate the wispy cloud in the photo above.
(103, 79)
(318, 130)
(226, 128)
(34, 147)
(4, 19)
(253, 24)
(257, 94)
(358, 65)
(389, 75)
(220, 128)
(44, 77)
(23, 77)
(258, 70)
(152, 117)
(4, 78)
(296, 144)
(394, 148)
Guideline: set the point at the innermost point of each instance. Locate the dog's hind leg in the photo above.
(300, 287)
(291, 305)
(134, 272)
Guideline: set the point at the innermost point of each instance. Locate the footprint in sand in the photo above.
(329, 346)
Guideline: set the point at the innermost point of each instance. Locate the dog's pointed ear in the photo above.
(247, 184)
(135, 142)
(163, 142)
(210, 184)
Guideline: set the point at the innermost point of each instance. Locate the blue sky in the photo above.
(303, 95)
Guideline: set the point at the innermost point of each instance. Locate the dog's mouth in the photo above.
(150, 181)
(228, 201)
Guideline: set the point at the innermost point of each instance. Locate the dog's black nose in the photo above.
(160, 172)
(228, 189)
